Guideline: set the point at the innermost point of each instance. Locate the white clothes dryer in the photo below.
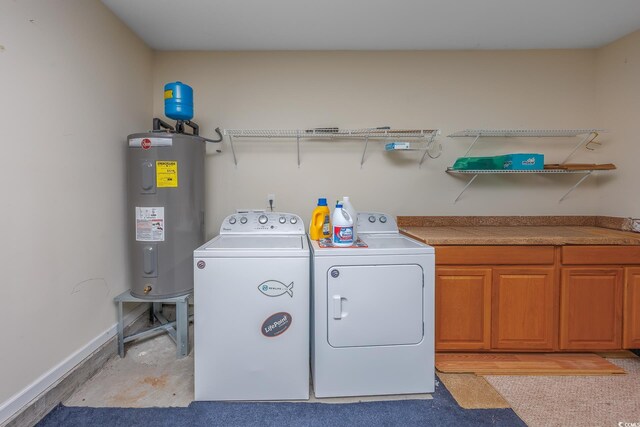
(373, 314)
(251, 313)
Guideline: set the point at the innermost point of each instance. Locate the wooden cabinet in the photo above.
(537, 298)
(463, 308)
(503, 299)
(523, 308)
(591, 308)
(631, 310)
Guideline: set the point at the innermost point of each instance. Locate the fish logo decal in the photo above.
(274, 288)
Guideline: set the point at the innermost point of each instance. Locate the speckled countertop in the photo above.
(519, 230)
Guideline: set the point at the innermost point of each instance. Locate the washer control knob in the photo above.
(383, 219)
(243, 220)
(232, 220)
(262, 219)
(372, 218)
(293, 220)
(282, 220)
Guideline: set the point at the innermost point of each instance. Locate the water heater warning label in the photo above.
(166, 173)
(150, 224)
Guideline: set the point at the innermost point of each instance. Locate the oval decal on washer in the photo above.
(276, 324)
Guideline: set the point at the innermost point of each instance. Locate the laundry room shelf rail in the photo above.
(475, 174)
(427, 136)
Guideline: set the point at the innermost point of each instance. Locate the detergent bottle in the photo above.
(347, 206)
(342, 226)
(320, 224)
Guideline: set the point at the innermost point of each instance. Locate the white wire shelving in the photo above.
(589, 136)
(426, 135)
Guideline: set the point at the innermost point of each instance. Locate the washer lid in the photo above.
(382, 241)
(378, 244)
(232, 242)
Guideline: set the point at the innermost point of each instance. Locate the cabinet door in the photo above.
(523, 309)
(591, 308)
(631, 321)
(463, 308)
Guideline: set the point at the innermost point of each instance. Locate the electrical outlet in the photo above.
(271, 201)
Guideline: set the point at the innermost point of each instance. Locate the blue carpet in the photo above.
(442, 410)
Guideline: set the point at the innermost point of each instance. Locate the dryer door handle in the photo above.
(337, 307)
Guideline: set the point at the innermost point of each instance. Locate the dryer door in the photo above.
(375, 305)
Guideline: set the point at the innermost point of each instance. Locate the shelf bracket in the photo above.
(233, 151)
(298, 147)
(582, 142)
(471, 146)
(465, 187)
(366, 143)
(429, 142)
(575, 186)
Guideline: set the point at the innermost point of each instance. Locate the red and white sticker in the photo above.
(145, 144)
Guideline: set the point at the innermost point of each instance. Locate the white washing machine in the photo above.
(373, 314)
(251, 313)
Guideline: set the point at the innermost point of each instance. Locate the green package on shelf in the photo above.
(519, 161)
(479, 163)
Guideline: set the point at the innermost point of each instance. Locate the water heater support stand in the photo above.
(178, 330)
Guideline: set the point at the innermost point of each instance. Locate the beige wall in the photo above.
(447, 90)
(75, 82)
(618, 102)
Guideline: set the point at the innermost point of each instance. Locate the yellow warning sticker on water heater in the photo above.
(168, 94)
(166, 173)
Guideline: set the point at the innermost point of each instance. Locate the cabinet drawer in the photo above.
(494, 255)
(600, 255)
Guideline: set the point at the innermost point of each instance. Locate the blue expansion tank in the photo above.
(178, 101)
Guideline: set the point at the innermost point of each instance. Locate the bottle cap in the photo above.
(322, 202)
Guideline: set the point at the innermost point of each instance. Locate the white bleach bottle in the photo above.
(342, 227)
(347, 206)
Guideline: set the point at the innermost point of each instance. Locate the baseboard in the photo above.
(29, 394)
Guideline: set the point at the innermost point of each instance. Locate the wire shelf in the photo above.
(524, 132)
(585, 172)
(331, 133)
(508, 171)
(588, 136)
(427, 135)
